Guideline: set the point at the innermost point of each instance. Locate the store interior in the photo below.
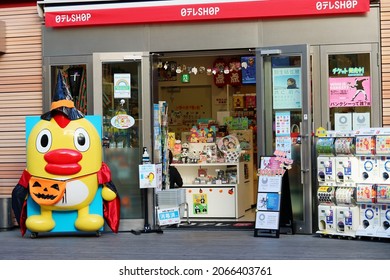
(211, 98)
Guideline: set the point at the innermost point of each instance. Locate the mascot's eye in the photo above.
(43, 142)
(81, 139)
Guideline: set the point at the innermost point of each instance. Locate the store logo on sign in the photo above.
(122, 121)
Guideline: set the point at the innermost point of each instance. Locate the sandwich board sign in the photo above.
(269, 194)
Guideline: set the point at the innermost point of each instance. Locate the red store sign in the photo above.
(199, 10)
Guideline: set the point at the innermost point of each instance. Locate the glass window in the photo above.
(75, 78)
(349, 91)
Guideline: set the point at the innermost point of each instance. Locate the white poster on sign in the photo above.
(361, 120)
(269, 183)
(168, 216)
(267, 220)
(343, 121)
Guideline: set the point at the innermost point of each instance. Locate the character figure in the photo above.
(151, 178)
(184, 152)
(64, 171)
(359, 88)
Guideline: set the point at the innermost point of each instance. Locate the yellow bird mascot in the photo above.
(65, 171)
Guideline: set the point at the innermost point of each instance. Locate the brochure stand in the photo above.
(150, 176)
(273, 191)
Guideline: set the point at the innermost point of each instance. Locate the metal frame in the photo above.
(265, 138)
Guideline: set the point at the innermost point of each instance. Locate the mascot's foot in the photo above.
(91, 222)
(37, 223)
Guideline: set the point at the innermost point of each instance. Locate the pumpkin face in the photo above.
(46, 192)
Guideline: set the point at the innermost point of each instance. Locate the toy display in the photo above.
(353, 174)
(66, 186)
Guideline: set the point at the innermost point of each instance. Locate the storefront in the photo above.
(315, 42)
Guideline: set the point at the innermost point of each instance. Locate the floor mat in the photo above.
(213, 226)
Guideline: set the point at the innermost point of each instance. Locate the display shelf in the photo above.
(224, 190)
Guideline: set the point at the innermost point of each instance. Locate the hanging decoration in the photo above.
(234, 76)
(218, 71)
(223, 73)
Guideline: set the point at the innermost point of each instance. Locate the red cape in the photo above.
(111, 209)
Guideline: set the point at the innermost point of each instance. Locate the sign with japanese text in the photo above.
(287, 89)
(350, 92)
(142, 12)
(282, 123)
(168, 216)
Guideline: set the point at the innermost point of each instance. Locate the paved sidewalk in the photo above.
(188, 245)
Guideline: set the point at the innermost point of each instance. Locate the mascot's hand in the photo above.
(108, 194)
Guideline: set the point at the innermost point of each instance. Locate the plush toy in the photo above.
(65, 171)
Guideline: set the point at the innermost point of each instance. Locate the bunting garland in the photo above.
(223, 72)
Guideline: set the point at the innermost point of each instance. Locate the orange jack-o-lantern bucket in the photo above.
(46, 192)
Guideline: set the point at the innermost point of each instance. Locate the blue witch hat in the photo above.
(62, 92)
(62, 102)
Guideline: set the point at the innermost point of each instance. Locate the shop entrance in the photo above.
(279, 80)
(283, 97)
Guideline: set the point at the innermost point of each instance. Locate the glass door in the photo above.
(284, 98)
(121, 90)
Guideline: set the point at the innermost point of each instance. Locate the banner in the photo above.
(200, 10)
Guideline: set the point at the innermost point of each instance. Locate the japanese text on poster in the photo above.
(287, 88)
(349, 92)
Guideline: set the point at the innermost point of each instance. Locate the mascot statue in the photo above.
(65, 173)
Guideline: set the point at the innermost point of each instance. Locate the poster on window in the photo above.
(248, 69)
(350, 92)
(282, 123)
(122, 86)
(343, 121)
(284, 144)
(287, 88)
(361, 120)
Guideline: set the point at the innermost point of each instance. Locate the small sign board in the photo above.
(269, 196)
(150, 176)
(168, 216)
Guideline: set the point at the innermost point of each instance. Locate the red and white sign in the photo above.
(199, 10)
